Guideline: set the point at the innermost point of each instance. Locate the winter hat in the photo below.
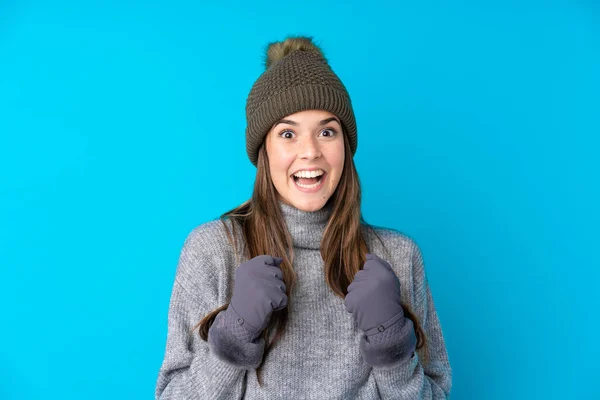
(297, 78)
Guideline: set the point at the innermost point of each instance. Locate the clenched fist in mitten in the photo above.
(258, 290)
(374, 300)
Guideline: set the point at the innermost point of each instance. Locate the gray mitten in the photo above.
(374, 296)
(258, 291)
(374, 300)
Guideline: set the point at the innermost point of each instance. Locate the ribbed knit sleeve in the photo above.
(189, 369)
(411, 378)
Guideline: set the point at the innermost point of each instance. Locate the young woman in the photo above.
(292, 295)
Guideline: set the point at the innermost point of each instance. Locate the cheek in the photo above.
(279, 160)
(338, 165)
(336, 158)
(280, 167)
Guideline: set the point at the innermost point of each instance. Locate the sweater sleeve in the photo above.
(409, 377)
(190, 369)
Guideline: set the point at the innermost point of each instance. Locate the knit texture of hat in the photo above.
(297, 78)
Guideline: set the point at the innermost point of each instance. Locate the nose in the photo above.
(309, 148)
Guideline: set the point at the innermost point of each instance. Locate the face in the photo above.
(306, 140)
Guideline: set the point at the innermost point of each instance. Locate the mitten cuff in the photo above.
(398, 318)
(240, 327)
(232, 343)
(393, 345)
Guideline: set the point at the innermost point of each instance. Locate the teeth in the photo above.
(307, 174)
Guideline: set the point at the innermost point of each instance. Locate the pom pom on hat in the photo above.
(277, 50)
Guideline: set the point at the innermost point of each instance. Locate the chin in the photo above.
(309, 205)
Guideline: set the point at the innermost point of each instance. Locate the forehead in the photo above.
(308, 118)
(309, 114)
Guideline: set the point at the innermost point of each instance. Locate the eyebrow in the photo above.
(294, 123)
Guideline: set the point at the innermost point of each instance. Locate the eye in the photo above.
(332, 131)
(284, 131)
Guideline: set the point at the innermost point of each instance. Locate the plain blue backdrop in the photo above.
(122, 128)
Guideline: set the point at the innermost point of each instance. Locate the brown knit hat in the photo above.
(297, 78)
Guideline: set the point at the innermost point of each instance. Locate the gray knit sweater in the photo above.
(319, 356)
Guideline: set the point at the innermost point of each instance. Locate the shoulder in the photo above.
(402, 252)
(211, 236)
(206, 257)
(393, 239)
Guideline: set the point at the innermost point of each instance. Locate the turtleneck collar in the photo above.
(305, 227)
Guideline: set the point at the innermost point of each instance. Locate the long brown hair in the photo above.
(343, 247)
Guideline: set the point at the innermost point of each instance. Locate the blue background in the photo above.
(122, 128)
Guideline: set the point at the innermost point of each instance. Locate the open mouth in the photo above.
(309, 183)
